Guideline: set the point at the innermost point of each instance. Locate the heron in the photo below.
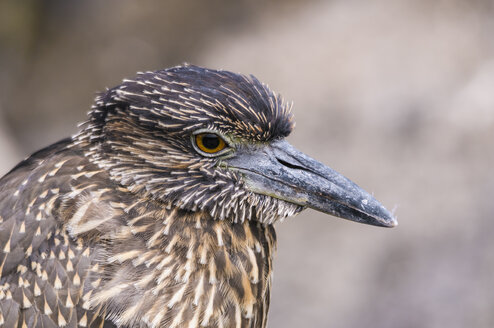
(160, 210)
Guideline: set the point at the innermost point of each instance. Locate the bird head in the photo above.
(214, 141)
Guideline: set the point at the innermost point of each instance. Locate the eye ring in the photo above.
(209, 144)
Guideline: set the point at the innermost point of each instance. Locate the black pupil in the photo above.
(211, 141)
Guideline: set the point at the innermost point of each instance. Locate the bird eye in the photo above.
(209, 143)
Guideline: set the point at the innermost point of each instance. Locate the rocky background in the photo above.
(396, 94)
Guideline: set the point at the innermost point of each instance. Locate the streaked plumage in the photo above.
(126, 224)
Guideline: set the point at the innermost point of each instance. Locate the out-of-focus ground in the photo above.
(397, 95)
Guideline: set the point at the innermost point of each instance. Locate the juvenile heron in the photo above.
(160, 211)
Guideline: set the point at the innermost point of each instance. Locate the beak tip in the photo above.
(381, 216)
(389, 219)
(393, 223)
(385, 218)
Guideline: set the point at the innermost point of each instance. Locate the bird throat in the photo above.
(175, 266)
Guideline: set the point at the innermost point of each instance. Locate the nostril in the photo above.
(290, 165)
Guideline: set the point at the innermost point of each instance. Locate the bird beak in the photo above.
(281, 171)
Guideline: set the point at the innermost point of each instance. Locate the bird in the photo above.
(160, 210)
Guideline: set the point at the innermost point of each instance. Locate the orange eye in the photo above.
(209, 143)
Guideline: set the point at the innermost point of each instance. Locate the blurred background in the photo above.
(398, 95)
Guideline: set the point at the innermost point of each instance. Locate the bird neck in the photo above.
(154, 265)
(181, 267)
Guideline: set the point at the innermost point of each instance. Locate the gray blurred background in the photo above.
(396, 94)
